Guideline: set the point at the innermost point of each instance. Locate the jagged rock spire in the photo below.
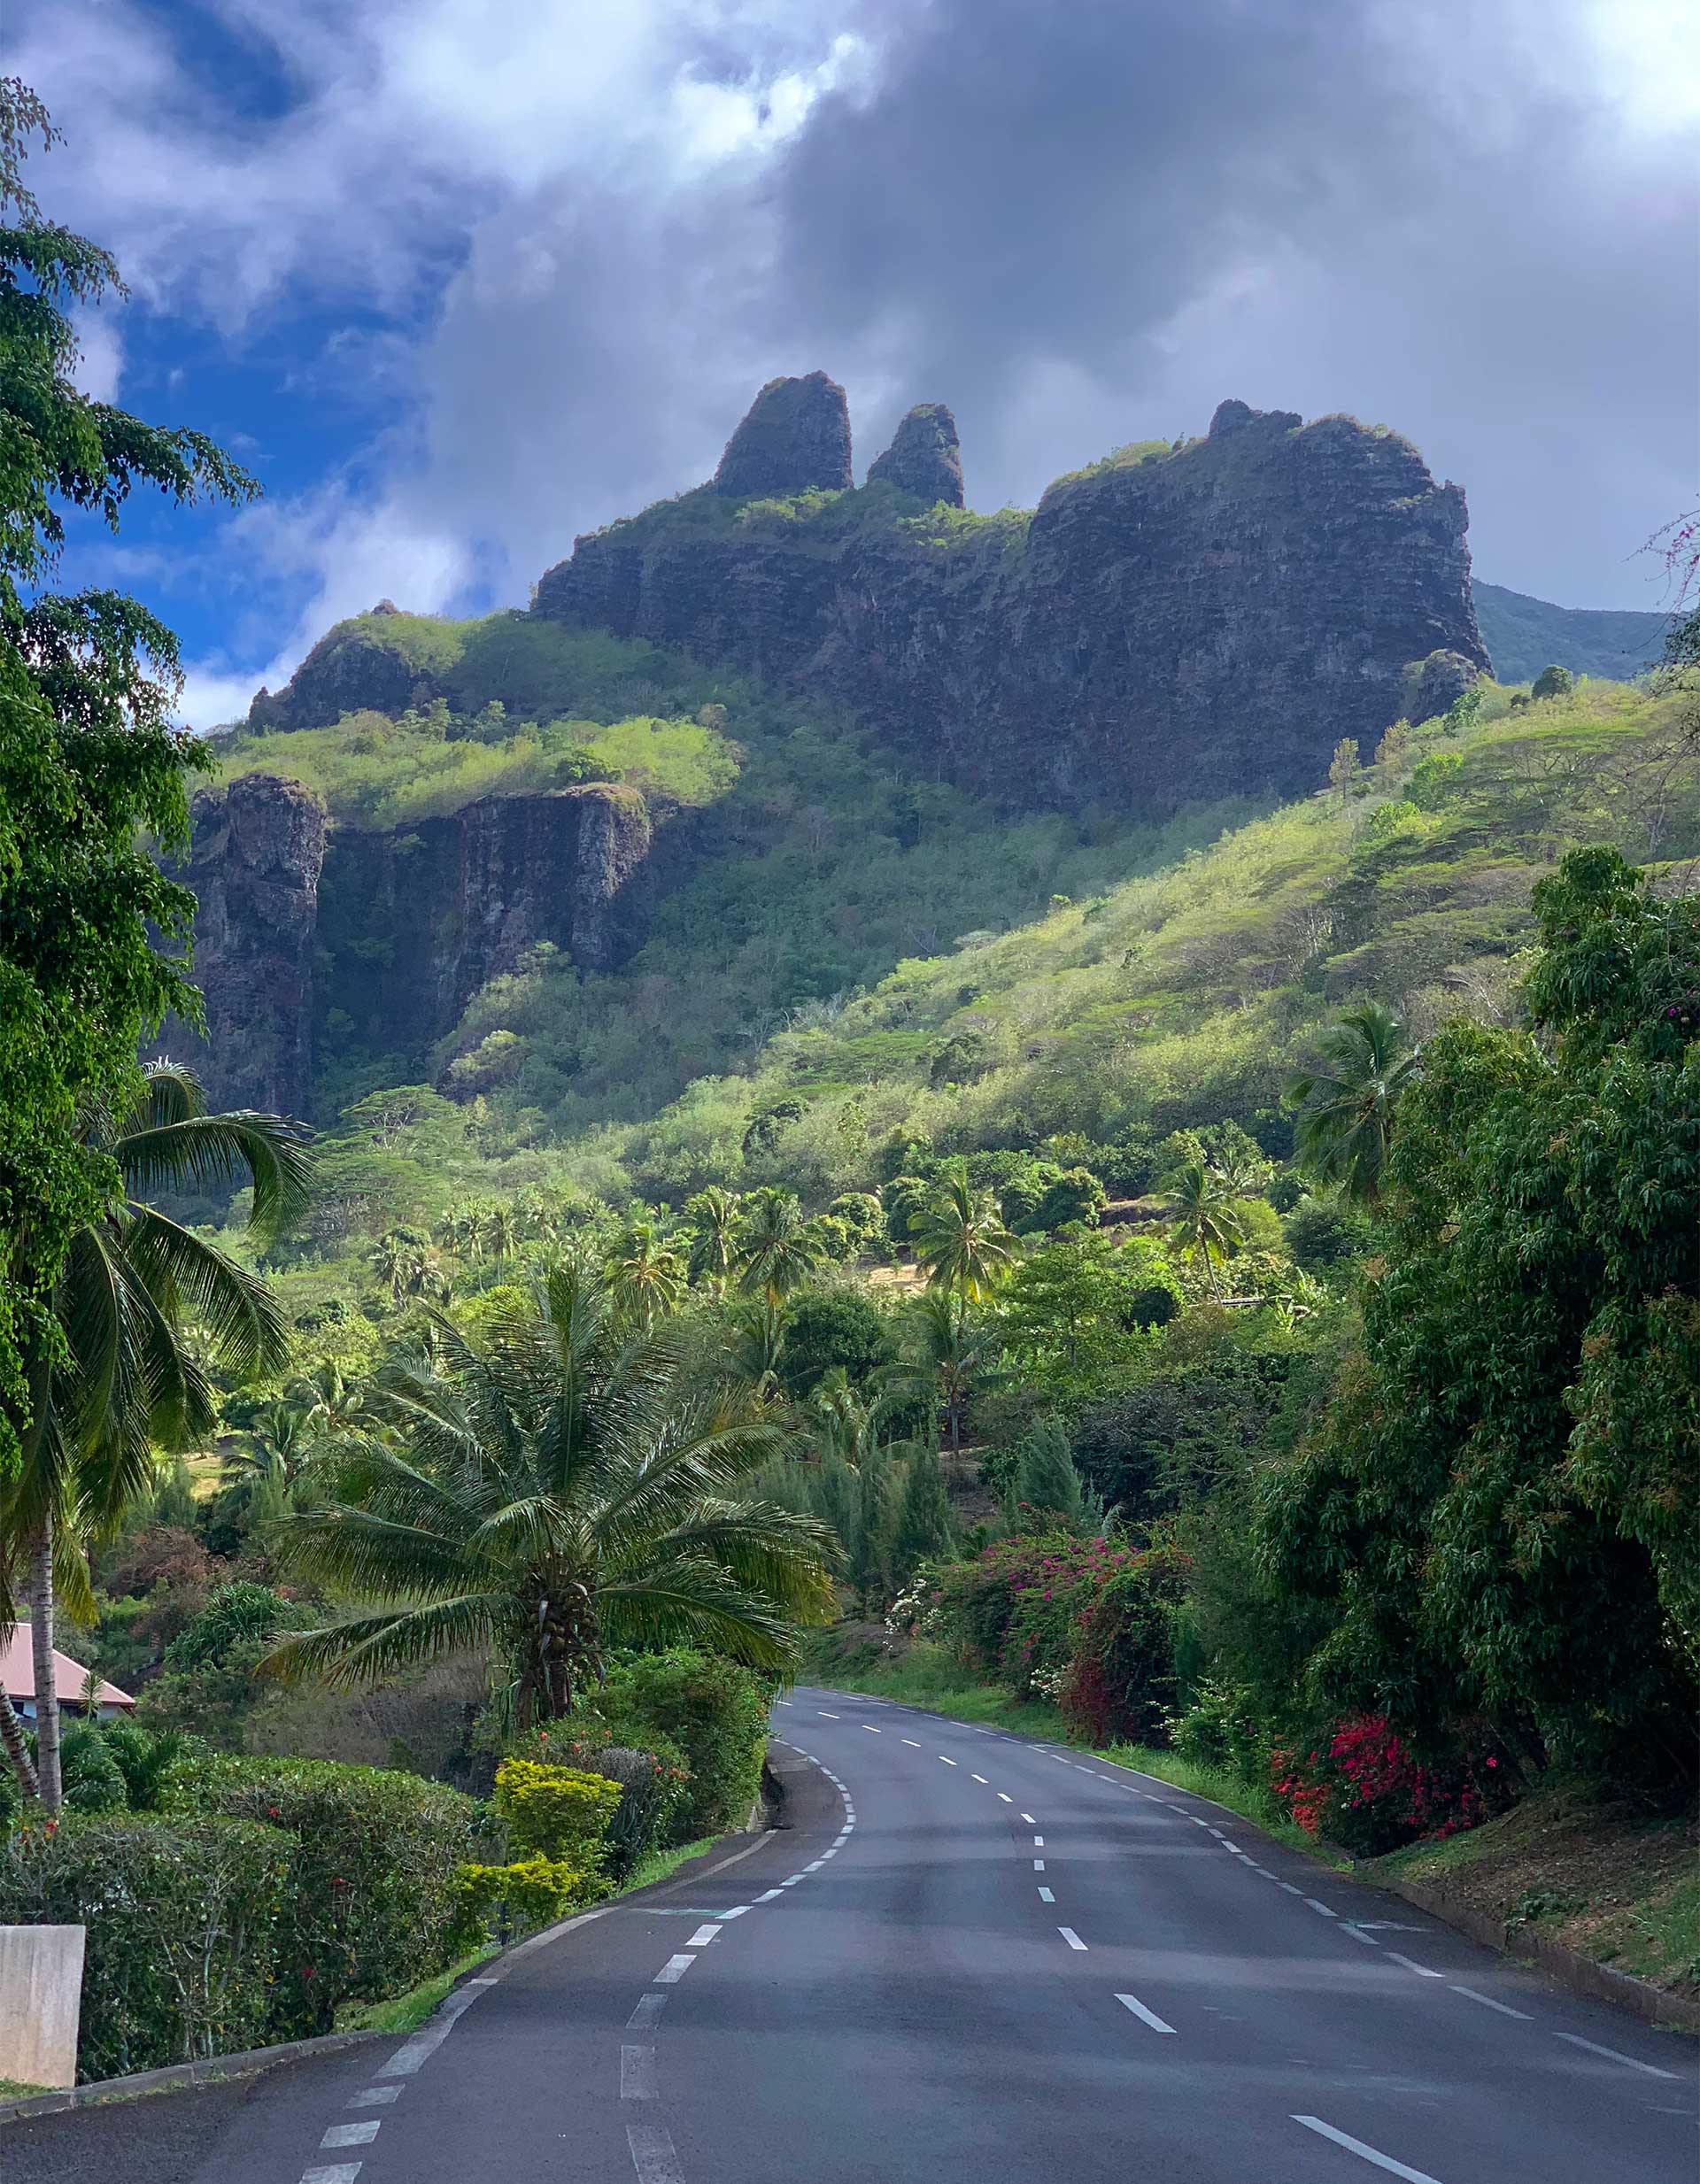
(796, 435)
(924, 456)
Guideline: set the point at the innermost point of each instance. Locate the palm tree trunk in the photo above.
(12, 1735)
(41, 1641)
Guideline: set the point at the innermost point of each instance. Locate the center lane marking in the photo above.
(1070, 1936)
(1144, 2015)
(673, 1970)
(948, 1762)
(653, 2154)
(1365, 2153)
(637, 2081)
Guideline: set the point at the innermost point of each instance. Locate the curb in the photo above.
(1653, 2005)
(250, 2063)
(255, 2062)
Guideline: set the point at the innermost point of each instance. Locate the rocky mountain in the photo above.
(1168, 623)
(1174, 625)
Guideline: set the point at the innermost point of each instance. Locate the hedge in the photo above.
(373, 1905)
(183, 1918)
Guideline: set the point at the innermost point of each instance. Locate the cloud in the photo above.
(586, 231)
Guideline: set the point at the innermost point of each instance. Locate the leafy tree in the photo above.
(1499, 1519)
(135, 1287)
(554, 1491)
(89, 768)
(776, 1253)
(1046, 1479)
(1345, 768)
(923, 1527)
(1552, 683)
(833, 1329)
(1344, 1108)
(960, 1239)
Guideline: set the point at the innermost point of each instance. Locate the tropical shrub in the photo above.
(560, 1812)
(1121, 1675)
(372, 1905)
(1361, 1785)
(711, 1709)
(183, 1918)
(652, 1784)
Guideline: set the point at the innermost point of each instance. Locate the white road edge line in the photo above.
(430, 2038)
(1144, 2015)
(1072, 1937)
(1422, 1971)
(1364, 2153)
(1323, 1908)
(1488, 2002)
(1612, 2055)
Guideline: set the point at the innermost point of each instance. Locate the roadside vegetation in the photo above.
(1224, 1293)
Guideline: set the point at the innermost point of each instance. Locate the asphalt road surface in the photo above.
(966, 1957)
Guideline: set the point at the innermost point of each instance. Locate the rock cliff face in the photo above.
(389, 933)
(414, 922)
(349, 670)
(257, 851)
(1167, 625)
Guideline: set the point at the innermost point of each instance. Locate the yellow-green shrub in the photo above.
(531, 1892)
(560, 1813)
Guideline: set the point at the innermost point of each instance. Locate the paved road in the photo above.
(968, 1956)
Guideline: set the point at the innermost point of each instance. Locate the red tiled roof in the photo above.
(70, 1677)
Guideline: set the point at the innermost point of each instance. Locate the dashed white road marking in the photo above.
(914, 1742)
(1364, 2153)
(673, 1970)
(1423, 1971)
(650, 2006)
(1237, 1851)
(376, 2096)
(869, 1727)
(826, 1717)
(653, 2154)
(1290, 1888)
(351, 2134)
(1072, 1937)
(738, 1909)
(1028, 1817)
(1039, 1866)
(772, 1897)
(1044, 1896)
(637, 2081)
(1004, 1798)
(948, 1761)
(979, 1777)
(702, 1937)
(333, 2172)
(1038, 1842)
(1612, 2055)
(1358, 1934)
(1488, 2002)
(1323, 1908)
(430, 2038)
(1144, 2015)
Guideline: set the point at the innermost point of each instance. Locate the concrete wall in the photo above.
(41, 1998)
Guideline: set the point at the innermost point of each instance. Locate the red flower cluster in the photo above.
(1364, 1788)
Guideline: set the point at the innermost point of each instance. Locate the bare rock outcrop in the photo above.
(796, 437)
(926, 457)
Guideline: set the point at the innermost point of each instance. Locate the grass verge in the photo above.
(15, 2090)
(405, 2013)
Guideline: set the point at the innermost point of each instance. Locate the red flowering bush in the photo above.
(1121, 1675)
(1363, 1787)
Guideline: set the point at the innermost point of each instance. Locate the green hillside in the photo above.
(1525, 635)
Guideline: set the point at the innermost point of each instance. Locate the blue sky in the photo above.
(459, 278)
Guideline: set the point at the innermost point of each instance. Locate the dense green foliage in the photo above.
(712, 1713)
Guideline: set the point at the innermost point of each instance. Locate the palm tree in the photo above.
(714, 1217)
(134, 1284)
(1344, 1108)
(960, 1239)
(646, 1278)
(501, 1229)
(403, 1260)
(458, 1230)
(776, 1251)
(552, 1490)
(1204, 1215)
(948, 1357)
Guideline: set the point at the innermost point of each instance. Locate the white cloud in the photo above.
(100, 366)
(1078, 226)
